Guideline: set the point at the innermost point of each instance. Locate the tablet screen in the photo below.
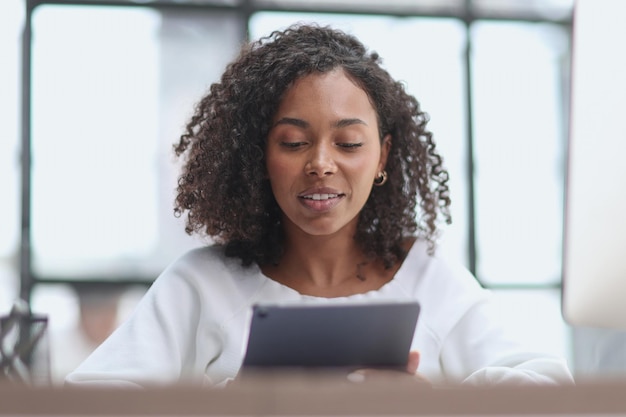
(346, 335)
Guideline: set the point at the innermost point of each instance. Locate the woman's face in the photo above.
(323, 153)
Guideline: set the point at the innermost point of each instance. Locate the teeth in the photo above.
(320, 196)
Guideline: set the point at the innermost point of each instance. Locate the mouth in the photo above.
(321, 201)
(319, 197)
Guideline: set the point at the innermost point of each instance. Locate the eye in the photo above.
(350, 145)
(292, 145)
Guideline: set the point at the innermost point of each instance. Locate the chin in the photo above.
(320, 230)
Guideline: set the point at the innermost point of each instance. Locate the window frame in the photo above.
(468, 14)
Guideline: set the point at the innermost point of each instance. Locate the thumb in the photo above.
(414, 361)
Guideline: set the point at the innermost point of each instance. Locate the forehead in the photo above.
(326, 92)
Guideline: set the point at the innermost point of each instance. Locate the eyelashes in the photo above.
(292, 145)
(344, 145)
(350, 145)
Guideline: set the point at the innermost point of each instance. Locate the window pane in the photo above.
(536, 314)
(432, 72)
(519, 150)
(112, 89)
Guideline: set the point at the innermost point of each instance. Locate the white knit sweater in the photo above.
(192, 325)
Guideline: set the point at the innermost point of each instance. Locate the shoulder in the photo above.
(205, 266)
(212, 256)
(209, 253)
(430, 271)
(446, 290)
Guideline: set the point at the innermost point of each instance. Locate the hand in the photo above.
(411, 373)
(414, 362)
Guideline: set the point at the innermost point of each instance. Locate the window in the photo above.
(519, 137)
(112, 87)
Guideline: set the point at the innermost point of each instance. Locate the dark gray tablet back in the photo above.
(346, 335)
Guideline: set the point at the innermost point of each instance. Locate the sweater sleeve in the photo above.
(464, 337)
(482, 349)
(157, 344)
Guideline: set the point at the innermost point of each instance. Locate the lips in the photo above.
(320, 199)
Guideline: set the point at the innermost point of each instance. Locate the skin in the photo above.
(324, 140)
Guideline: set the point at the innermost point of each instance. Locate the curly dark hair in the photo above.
(224, 188)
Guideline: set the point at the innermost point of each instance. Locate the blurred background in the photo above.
(94, 93)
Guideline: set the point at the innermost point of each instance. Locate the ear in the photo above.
(385, 147)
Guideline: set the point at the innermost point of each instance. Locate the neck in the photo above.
(324, 262)
(331, 265)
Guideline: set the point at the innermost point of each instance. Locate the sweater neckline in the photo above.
(386, 289)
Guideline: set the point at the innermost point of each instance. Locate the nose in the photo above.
(320, 162)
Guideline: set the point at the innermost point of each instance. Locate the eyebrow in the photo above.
(349, 122)
(304, 124)
(291, 121)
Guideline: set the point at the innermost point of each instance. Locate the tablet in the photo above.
(372, 335)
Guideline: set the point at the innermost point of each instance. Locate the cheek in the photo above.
(278, 167)
(281, 171)
(367, 167)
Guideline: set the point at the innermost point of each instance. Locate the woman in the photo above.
(307, 164)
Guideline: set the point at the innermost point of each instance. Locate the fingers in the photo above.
(414, 361)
